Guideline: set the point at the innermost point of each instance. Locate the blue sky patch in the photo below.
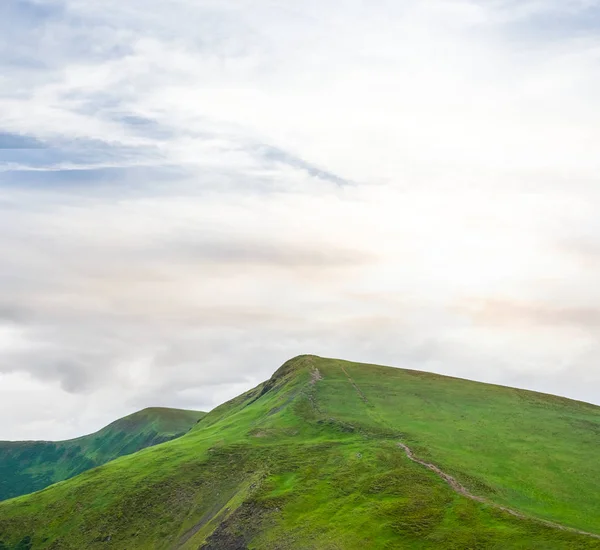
(18, 141)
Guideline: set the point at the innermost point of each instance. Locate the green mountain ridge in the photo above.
(316, 458)
(28, 466)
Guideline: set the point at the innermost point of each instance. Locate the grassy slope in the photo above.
(293, 464)
(28, 466)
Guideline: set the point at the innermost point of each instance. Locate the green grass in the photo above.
(28, 466)
(292, 464)
(536, 452)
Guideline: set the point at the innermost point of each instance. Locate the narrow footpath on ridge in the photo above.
(462, 490)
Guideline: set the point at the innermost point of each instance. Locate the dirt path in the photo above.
(358, 390)
(315, 376)
(461, 489)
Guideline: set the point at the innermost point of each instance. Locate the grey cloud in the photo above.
(279, 156)
(287, 255)
(73, 367)
(90, 308)
(12, 311)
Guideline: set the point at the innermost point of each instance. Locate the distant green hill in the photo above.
(333, 455)
(28, 466)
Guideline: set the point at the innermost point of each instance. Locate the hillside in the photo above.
(28, 466)
(329, 454)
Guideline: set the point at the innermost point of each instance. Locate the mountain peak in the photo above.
(29, 466)
(400, 458)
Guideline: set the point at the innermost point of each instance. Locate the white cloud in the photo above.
(352, 182)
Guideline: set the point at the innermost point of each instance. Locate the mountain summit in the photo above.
(329, 454)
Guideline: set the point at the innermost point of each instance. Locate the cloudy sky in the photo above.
(194, 191)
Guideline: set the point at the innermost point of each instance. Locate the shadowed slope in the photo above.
(28, 466)
(310, 459)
